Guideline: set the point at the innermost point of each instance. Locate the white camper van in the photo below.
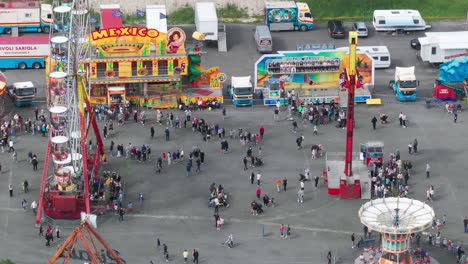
(380, 54)
(393, 20)
(440, 47)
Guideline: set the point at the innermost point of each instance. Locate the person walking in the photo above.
(198, 170)
(195, 255)
(410, 148)
(300, 195)
(259, 176)
(262, 132)
(316, 181)
(10, 145)
(455, 117)
(57, 231)
(189, 168)
(224, 113)
(24, 204)
(465, 224)
(167, 132)
(285, 183)
(315, 131)
(152, 132)
(299, 142)
(252, 178)
(288, 232)
(400, 118)
(121, 214)
(185, 255)
(415, 146)
(41, 230)
(245, 163)
(258, 192)
(278, 184)
(159, 165)
(276, 114)
(281, 229)
(34, 206)
(374, 122)
(428, 170)
(10, 188)
(329, 257)
(353, 240)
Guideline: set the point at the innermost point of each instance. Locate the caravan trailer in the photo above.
(380, 54)
(396, 20)
(440, 47)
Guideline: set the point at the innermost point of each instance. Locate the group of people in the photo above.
(391, 178)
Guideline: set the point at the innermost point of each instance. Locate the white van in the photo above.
(380, 54)
(263, 39)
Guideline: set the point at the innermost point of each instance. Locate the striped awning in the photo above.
(135, 80)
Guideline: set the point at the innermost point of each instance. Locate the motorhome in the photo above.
(379, 54)
(440, 47)
(398, 20)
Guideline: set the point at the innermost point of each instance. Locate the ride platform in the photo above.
(353, 187)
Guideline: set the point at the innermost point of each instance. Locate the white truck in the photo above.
(23, 93)
(405, 84)
(241, 91)
(206, 20)
(27, 16)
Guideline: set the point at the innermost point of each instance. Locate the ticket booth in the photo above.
(115, 95)
(372, 152)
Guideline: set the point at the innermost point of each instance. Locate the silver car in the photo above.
(361, 29)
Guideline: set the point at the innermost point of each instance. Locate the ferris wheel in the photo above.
(68, 168)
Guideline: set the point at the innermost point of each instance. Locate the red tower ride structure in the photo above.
(350, 85)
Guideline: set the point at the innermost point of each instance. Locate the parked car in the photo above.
(361, 29)
(415, 44)
(336, 29)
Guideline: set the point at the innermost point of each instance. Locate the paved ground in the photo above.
(175, 209)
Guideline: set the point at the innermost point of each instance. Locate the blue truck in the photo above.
(405, 84)
(288, 15)
(241, 91)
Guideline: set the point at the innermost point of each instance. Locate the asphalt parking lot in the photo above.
(175, 207)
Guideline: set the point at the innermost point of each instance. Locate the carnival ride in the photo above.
(3, 88)
(396, 219)
(84, 233)
(64, 191)
(341, 178)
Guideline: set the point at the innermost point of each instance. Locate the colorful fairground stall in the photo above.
(149, 68)
(316, 76)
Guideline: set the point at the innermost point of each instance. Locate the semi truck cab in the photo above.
(240, 91)
(23, 93)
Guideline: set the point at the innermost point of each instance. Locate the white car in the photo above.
(361, 29)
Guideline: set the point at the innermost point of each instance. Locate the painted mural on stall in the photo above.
(310, 70)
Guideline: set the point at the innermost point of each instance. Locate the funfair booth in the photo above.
(316, 76)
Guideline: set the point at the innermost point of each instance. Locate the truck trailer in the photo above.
(27, 16)
(440, 47)
(288, 15)
(24, 52)
(206, 20)
(405, 84)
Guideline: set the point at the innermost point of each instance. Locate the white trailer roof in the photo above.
(446, 40)
(280, 4)
(404, 73)
(206, 11)
(23, 85)
(396, 13)
(243, 81)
